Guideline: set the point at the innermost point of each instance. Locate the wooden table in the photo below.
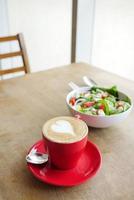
(26, 103)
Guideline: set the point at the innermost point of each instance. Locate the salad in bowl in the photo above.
(99, 107)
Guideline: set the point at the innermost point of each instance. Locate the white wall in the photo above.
(4, 30)
(85, 24)
(46, 25)
(113, 44)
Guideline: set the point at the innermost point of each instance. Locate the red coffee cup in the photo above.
(65, 155)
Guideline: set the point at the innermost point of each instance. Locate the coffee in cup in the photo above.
(65, 138)
(64, 129)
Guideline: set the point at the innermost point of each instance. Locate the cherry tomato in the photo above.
(102, 107)
(72, 101)
(88, 104)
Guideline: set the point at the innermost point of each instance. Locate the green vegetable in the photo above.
(106, 107)
(113, 90)
(101, 101)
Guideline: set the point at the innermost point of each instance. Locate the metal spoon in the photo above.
(36, 157)
(90, 82)
(73, 85)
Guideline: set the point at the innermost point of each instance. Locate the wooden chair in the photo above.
(22, 52)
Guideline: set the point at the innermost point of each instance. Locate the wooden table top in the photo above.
(27, 102)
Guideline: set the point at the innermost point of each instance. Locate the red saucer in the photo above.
(87, 166)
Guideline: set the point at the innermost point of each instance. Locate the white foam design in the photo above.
(62, 126)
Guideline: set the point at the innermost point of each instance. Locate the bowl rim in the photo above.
(98, 116)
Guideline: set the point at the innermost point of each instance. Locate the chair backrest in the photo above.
(22, 52)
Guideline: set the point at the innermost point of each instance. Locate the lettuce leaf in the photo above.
(106, 107)
(113, 90)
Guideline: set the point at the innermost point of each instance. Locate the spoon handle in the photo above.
(90, 82)
(73, 85)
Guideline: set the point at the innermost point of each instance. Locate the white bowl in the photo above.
(95, 120)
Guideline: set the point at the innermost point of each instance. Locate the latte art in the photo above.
(65, 129)
(63, 126)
